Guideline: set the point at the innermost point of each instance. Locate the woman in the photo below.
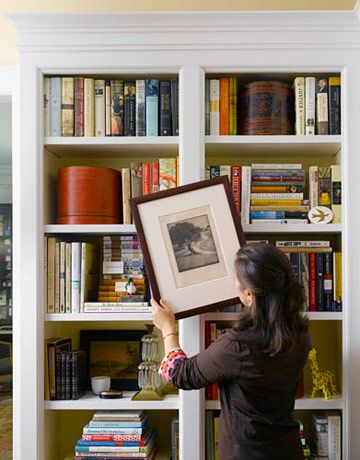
(257, 363)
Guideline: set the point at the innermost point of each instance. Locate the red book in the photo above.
(312, 281)
(113, 437)
(154, 176)
(79, 106)
(146, 178)
(236, 185)
(224, 105)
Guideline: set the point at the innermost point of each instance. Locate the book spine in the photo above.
(335, 173)
(258, 215)
(154, 166)
(295, 261)
(82, 275)
(312, 282)
(275, 166)
(337, 282)
(175, 106)
(51, 275)
(280, 208)
(107, 108)
(299, 89)
(67, 277)
(304, 273)
(334, 105)
(245, 194)
(75, 276)
(165, 108)
(325, 186)
(167, 173)
(62, 276)
(285, 221)
(99, 108)
(152, 107)
(67, 106)
(146, 179)
(225, 170)
(55, 106)
(236, 185)
(328, 281)
(270, 202)
(207, 107)
(140, 108)
(303, 243)
(68, 376)
(224, 106)
(322, 104)
(58, 376)
(233, 106)
(57, 277)
(125, 184)
(334, 436)
(136, 173)
(214, 171)
(314, 186)
(310, 106)
(124, 431)
(129, 108)
(115, 309)
(117, 107)
(214, 107)
(45, 240)
(320, 281)
(276, 196)
(79, 106)
(89, 107)
(46, 105)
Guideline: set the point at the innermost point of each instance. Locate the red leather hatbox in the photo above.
(88, 195)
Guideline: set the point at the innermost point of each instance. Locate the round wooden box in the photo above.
(88, 195)
(266, 107)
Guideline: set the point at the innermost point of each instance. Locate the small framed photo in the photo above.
(189, 237)
(115, 353)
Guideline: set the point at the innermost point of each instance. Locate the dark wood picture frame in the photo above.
(88, 337)
(135, 202)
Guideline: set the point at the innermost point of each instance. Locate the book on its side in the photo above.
(89, 107)
(99, 108)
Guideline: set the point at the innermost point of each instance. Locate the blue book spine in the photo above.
(152, 107)
(55, 106)
(267, 215)
(175, 106)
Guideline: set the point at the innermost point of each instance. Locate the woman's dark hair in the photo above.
(279, 298)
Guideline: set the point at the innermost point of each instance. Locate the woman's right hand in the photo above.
(163, 317)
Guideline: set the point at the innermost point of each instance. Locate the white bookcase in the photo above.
(190, 45)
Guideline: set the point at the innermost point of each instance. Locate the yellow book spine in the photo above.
(337, 269)
(89, 107)
(167, 173)
(260, 202)
(67, 106)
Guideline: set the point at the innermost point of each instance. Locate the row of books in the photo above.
(276, 192)
(78, 280)
(82, 106)
(326, 434)
(143, 178)
(64, 370)
(114, 434)
(317, 105)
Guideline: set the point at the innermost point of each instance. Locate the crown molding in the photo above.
(187, 30)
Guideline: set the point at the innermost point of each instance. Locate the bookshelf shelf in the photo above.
(293, 228)
(280, 146)
(90, 229)
(98, 317)
(300, 404)
(313, 316)
(121, 146)
(93, 402)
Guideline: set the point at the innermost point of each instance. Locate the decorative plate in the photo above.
(320, 215)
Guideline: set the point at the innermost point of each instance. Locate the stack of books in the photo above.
(318, 268)
(114, 434)
(277, 194)
(64, 370)
(83, 106)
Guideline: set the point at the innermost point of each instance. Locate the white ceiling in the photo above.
(5, 133)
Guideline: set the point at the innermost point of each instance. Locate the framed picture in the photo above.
(116, 353)
(189, 237)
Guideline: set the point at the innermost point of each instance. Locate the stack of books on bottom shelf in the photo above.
(117, 434)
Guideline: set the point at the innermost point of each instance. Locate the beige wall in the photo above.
(9, 55)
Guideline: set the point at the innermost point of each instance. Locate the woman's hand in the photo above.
(163, 317)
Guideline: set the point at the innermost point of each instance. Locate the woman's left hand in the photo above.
(163, 317)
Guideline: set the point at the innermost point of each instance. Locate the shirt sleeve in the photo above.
(222, 360)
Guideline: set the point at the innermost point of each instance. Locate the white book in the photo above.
(46, 106)
(55, 106)
(62, 276)
(89, 107)
(304, 244)
(107, 108)
(277, 196)
(75, 276)
(335, 171)
(334, 436)
(225, 170)
(140, 108)
(67, 277)
(99, 108)
(279, 221)
(299, 89)
(122, 415)
(276, 166)
(310, 106)
(57, 277)
(245, 194)
(314, 186)
(214, 107)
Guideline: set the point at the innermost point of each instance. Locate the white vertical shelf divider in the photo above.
(191, 156)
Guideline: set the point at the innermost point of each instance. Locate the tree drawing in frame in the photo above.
(193, 243)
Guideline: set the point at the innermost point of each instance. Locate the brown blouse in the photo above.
(257, 394)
